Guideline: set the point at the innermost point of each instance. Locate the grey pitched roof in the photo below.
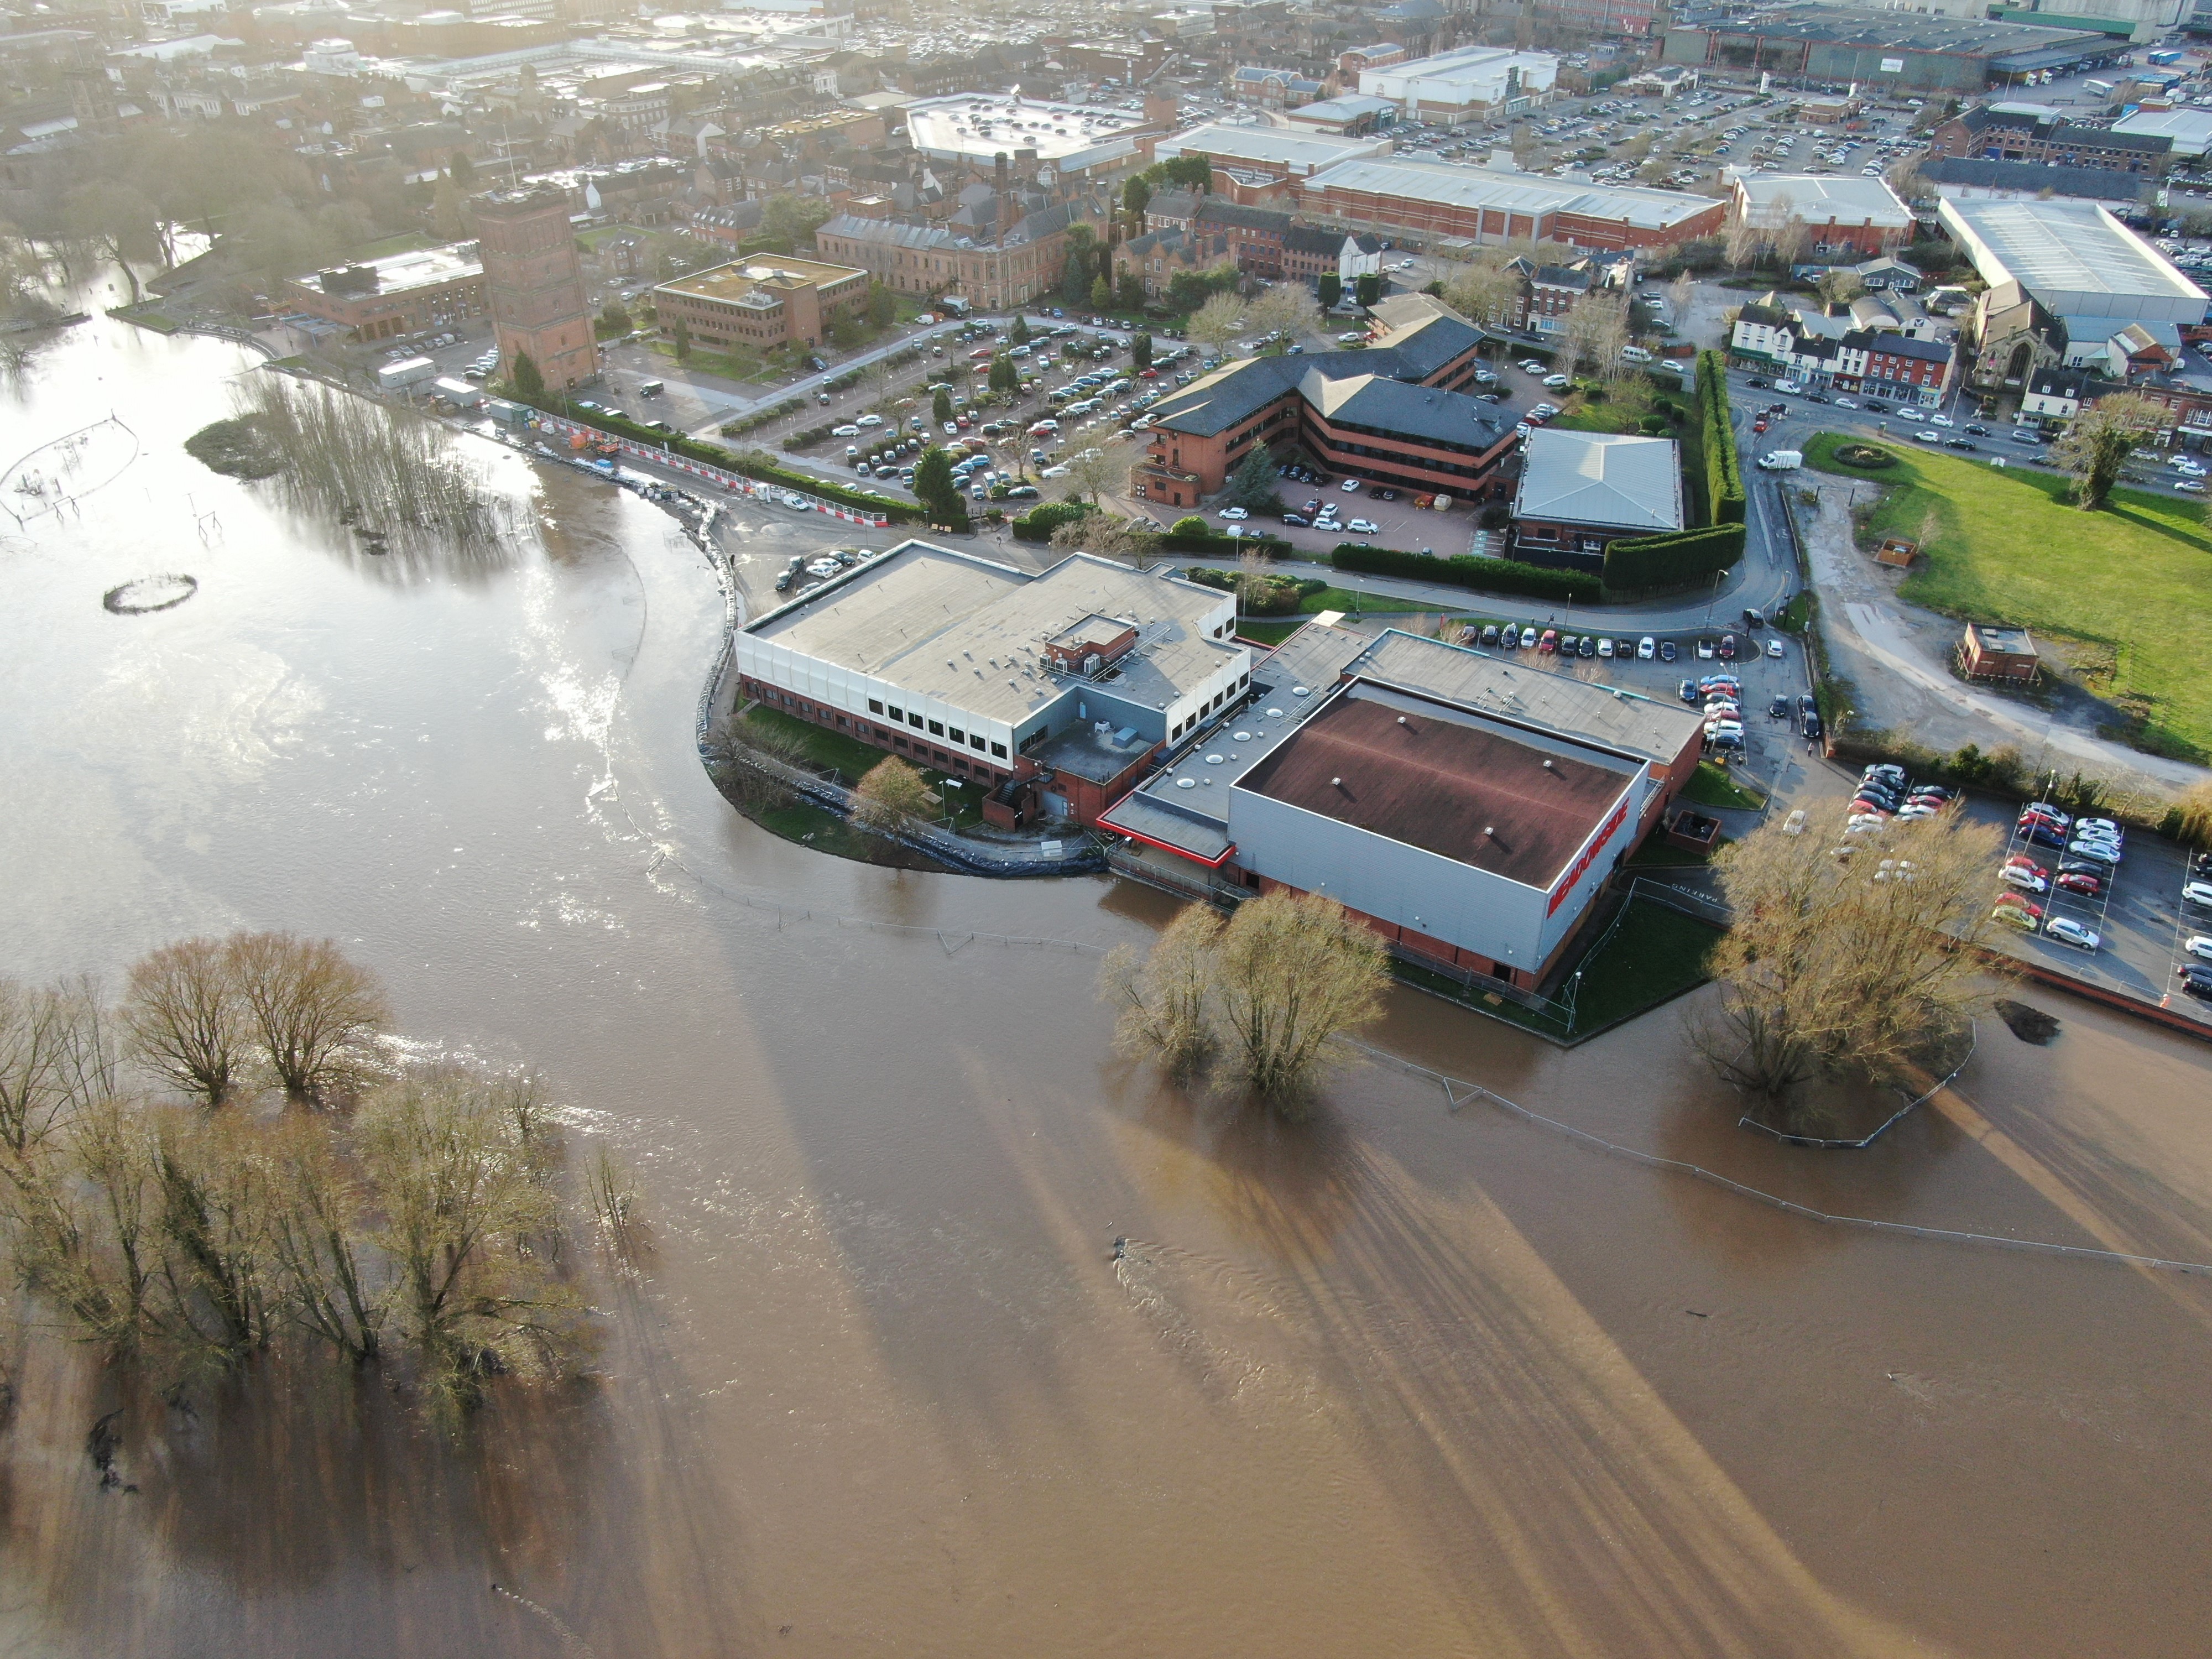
(1899, 345)
(1601, 478)
(1412, 411)
(1311, 239)
(1215, 211)
(2034, 178)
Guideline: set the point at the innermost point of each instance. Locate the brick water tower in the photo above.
(534, 285)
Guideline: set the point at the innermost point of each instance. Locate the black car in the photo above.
(1976, 429)
(1589, 645)
(1804, 703)
(1817, 397)
(1296, 518)
(2200, 864)
(2198, 982)
(1809, 724)
(1759, 381)
(1959, 443)
(1752, 618)
(2074, 866)
(1689, 691)
(1875, 406)
(1666, 651)
(1386, 495)
(1778, 710)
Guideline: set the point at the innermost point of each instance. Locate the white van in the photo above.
(651, 389)
(1634, 354)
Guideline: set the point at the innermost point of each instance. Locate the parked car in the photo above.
(1550, 640)
(1666, 651)
(1728, 647)
(2198, 944)
(1646, 648)
(2067, 931)
(2013, 917)
(1234, 513)
(2198, 893)
(1362, 526)
(1299, 519)
(2076, 881)
(1586, 647)
(1529, 637)
(2198, 982)
(2024, 878)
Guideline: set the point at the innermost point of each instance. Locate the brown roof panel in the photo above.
(1444, 781)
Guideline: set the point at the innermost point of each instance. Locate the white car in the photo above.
(1774, 647)
(2026, 880)
(1704, 650)
(868, 420)
(2198, 892)
(1362, 526)
(1941, 420)
(2067, 931)
(1350, 486)
(846, 431)
(1846, 402)
(1646, 648)
(1927, 437)
(1061, 473)
(1794, 823)
(2198, 944)
(1530, 366)
(1232, 512)
(1557, 381)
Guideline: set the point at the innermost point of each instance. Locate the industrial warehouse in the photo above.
(1467, 807)
(1480, 204)
(1892, 50)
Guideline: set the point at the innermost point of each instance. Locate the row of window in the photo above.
(861, 728)
(1220, 698)
(935, 728)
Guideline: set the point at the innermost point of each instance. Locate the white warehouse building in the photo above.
(1467, 84)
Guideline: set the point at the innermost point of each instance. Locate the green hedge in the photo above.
(753, 463)
(1724, 496)
(1226, 547)
(1484, 575)
(1642, 564)
(1040, 521)
(808, 439)
(738, 428)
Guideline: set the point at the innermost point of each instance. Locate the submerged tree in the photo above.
(1852, 965)
(1274, 992)
(187, 1022)
(315, 1013)
(1165, 997)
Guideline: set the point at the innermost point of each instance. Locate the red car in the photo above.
(1149, 374)
(1728, 647)
(1550, 641)
(2075, 882)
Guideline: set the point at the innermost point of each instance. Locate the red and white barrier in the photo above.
(737, 483)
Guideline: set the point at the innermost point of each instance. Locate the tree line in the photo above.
(225, 1163)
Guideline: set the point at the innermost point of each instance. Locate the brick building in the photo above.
(1999, 132)
(1436, 199)
(534, 285)
(1013, 269)
(762, 302)
(1394, 414)
(399, 293)
(1159, 257)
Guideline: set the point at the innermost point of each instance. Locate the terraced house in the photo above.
(1395, 414)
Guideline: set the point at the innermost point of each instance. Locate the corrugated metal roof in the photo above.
(2062, 247)
(1445, 186)
(1601, 478)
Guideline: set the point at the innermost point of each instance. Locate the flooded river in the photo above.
(1409, 1379)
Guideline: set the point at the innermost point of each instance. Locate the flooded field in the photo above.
(1413, 1377)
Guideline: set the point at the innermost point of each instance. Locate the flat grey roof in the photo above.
(1515, 690)
(1300, 150)
(971, 631)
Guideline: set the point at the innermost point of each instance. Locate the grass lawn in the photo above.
(1656, 953)
(1365, 604)
(742, 367)
(2003, 545)
(1262, 631)
(1710, 785)
(852, 760)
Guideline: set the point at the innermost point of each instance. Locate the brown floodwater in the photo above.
(1408, 1378)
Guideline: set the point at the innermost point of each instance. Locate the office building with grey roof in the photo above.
(1396, 414)
(1050, 691)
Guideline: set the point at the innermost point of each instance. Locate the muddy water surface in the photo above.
(1405, 1379)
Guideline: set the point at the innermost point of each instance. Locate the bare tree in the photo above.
(1218, 322)
(1287, 307)
(1110, 537)
(1791, 240)
(1485, 293)
(317, 1014)
(461, 1204)
(1596, 332)
(1255, 574)
(1845, 963)
(1293, 974)
(318, 1224)
(891, 796)
(1744, 240)
(187, 1023)
(1682, 299)
(56, 1059)
(2096, 444)
(1164, 999)
(1091, 472)
(216, 1285)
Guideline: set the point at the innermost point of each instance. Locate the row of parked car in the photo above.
(2195, 975)
(2090, 850)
